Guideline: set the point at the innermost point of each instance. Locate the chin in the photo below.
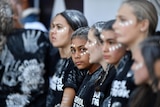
(80, 67)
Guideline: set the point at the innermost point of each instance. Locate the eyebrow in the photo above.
(110, 39)
(79, 46)
(57, 24)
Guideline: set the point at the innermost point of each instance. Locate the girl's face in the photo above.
(80, 56)
(112, 51)
(94, 48)
(126, 25)
(60, 32)
(139, 68)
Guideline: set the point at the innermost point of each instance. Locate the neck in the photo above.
(135, 43)
(103, 63)
(65, 52)
(93, 68)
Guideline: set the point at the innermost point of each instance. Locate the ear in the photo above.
(144, 25)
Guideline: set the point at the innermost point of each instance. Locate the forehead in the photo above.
(125, 10)
(59, 19)
(78, 41)
(109, 34)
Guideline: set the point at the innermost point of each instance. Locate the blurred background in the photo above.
(94, 10)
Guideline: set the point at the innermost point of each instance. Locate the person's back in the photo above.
(24, 80)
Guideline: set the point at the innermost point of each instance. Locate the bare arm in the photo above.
(68, 97)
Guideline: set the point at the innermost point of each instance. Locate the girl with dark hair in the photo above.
(62, 26)
(80, 58)
(116, 54)
(146, 73)
(96, 84)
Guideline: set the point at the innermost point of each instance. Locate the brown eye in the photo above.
(83, 50)
(73, 51)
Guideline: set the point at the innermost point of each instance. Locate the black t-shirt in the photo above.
(123, 84)
(57, 81)
(88, 95)
(24, 81)
(75, 78)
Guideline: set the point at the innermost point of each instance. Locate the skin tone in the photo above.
(157, 68)
(130, 31)
(60, 35)
(24, 4)
(109, 41)
(80, 57)
(79, 53)
(95, 50)
(141, 75)
(16, 14)
(157, 72)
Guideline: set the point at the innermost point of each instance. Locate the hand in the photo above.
(30, 39)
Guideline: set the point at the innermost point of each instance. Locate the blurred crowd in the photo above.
(112, 63)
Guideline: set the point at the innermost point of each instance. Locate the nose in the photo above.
(114, 26)
(77, 55)
(53, 30)
(105, 48)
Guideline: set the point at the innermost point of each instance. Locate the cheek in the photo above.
(91, 49)
(125, 34)
(96, 52)
(85, 59)
(116, 56)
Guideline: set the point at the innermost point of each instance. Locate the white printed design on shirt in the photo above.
(96, 98)
(56, 83)
(17, 100)
(31, 75)
(78, 102)
(119, 89)
(28, 73)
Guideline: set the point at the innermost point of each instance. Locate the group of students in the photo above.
(112, 63)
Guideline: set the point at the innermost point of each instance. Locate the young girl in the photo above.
(80, 58)
(146, 73)
(96, 85)
(135, 20)
(116, 54)
(62, 26)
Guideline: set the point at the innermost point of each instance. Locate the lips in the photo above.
(106, 56)
(78, 63)
(53, 38)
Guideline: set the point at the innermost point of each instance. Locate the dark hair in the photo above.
(157, 33)
(108, 25)
(74, 18)
(150, 50)
(31, 3)
(144, 94)
(81, 32)
(97, 29)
